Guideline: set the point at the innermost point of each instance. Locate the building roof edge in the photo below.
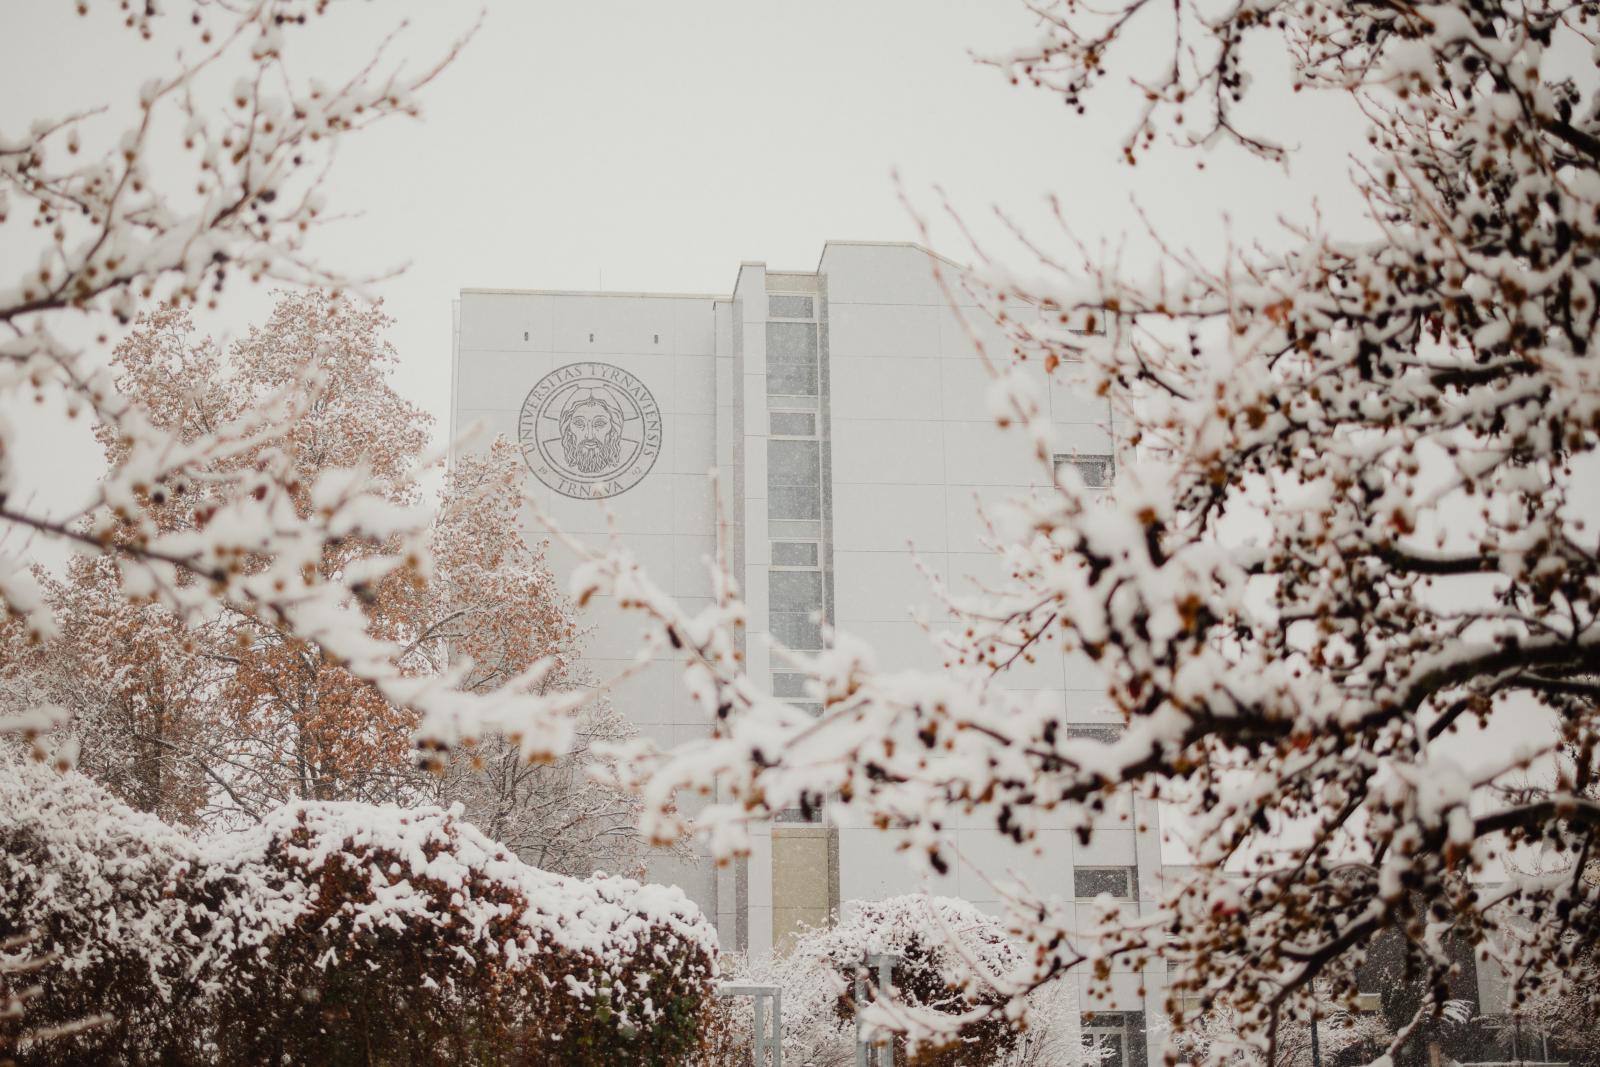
(890, 244)
(593, 292)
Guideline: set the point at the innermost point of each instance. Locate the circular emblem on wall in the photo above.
(590, 430)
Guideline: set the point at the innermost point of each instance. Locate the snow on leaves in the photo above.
(238, 205)
(1405, 424)
(411, 921)
(1405, 428)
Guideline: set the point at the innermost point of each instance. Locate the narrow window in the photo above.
(1114, 1038)
(793, 630)
(794, 591)
(794, 554)
(1090, 882)
(791, 359)
(793, 423)
(793, 480)
(789, 684)
(1105, 733)
(1095, 470)
(785, 306)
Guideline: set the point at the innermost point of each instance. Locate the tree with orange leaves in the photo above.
(230, 712)
(285, 718)
(128, 676)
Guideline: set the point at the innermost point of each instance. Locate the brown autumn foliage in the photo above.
(235, 712)
(130, 677)
(330, 933)
(280, 717)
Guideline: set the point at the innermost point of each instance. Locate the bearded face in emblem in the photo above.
(591, 431)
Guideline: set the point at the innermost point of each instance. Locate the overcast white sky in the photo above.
(580, 144)
(651, 146)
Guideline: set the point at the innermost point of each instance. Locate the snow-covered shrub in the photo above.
(329, 933)
(815, 1034)
(87, 925)
(653, 967)
(950, 954)
(1054, 1035)
(1344, 1036)
(345, 932)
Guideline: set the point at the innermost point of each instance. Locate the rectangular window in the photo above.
(791, 379)
(794, 554)
(1095, 470)
(793, 463)
(1118, 1037)
(1105, 733)
(791, 342)
(1107, 1044)
(788, 306)
(789, 684)
(794, 503)
(793, 424)
(794, 591)
(794, 478)
(791, 359)
(1089, 882)
(795, 630)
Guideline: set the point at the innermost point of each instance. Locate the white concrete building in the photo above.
(843, 413)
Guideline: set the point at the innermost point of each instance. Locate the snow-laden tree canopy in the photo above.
(1404, 425)
(1347, 525)
(217, 180)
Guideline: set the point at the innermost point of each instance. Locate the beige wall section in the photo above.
(805, 880)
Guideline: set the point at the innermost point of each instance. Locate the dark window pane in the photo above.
(1096, 471)
(789, 685)
(793, 463)
(791, 379)
(794, 590)
(1090, 882)
(795, 630)
(791, 815)
(794, 423)
(1107, 1045)
(789, 503)
(794, 554)
(789, 307)
(791, 342)
(1106, 734)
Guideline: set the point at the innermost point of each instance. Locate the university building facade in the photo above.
(838, 420)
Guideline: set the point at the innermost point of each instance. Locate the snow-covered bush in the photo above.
(1343, 1036)
(814, 1033)
(87, 925)
(654, 969)
(950, 956)
(329, 933)
(352, 932)
(950, 952)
